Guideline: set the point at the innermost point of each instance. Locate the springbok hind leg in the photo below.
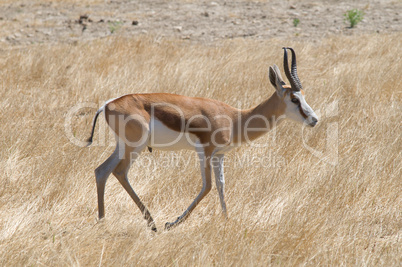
(102, 174)
(121, 171)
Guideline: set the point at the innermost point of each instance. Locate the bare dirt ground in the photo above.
(30, 22)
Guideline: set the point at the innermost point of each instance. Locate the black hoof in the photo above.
(153, 226)
(168, 226)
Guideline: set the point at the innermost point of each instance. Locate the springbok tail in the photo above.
(89, 140)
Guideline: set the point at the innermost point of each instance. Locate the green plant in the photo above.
(296, 22)
(114, 26)
(354, 16)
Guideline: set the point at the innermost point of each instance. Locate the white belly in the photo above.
(163, 138)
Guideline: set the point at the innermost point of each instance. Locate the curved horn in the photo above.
(289, 75)
(293, 70)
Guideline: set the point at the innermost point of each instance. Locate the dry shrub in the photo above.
(293, 209)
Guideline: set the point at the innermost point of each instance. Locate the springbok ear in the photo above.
(272, 76)
(276, 79)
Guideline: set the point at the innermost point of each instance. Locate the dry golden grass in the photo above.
(296, 210)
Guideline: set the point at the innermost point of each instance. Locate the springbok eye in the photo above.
(295, 100)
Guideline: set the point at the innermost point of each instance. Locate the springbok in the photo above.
(210, 127)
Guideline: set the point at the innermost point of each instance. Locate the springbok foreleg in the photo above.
(217, 164)
(205, 163)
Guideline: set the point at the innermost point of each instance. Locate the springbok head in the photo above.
(292, 95)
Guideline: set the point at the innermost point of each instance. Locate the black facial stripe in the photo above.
(302, 112)
(300, 107)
